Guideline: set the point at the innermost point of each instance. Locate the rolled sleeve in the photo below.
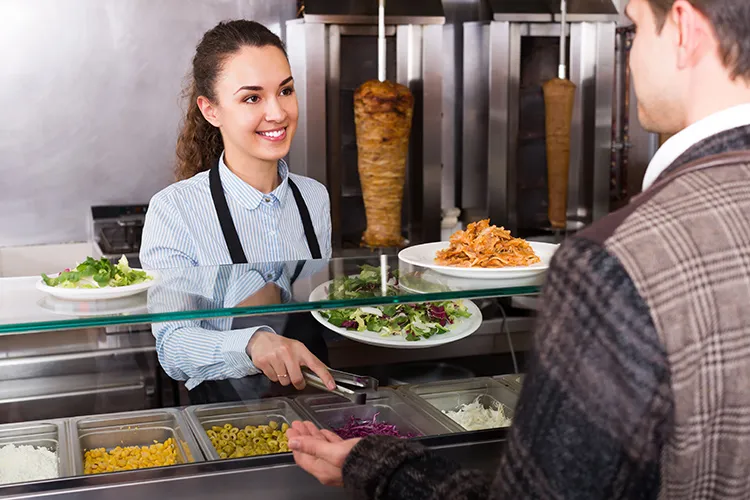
(234, 349)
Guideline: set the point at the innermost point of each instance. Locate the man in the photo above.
(639, 382)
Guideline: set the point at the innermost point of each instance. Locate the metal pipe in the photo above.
(381, 40)
(562, 69)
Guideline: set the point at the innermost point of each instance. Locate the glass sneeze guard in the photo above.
(247, 290)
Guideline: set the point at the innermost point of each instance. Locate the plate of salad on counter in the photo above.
(97, 280)
(403, 326)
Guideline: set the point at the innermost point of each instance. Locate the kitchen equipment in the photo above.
(117, 231)
(139, 428)
(506, 62)
(332, 411)
(445, 396)
(513, 381)
(240, 414)
(50, 434)
(559, 95)
(342, 379)
(332, 49)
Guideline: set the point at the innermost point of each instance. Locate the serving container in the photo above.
(240, 414)
(331, 412)
(50, 434)
(140, 428)
(513, 381)
(445, 396)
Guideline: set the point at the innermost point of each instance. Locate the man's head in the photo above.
(690, 58)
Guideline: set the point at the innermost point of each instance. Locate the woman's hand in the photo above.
(320, 452)
(280, 359)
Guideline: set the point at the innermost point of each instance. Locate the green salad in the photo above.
(100, 273)
(412, 321)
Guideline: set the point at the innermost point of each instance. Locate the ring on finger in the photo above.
(283, 376)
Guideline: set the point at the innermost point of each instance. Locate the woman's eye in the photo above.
(253, 99)
(287, 91)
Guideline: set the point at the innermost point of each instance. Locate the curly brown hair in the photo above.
(731, 21)
(199, 144)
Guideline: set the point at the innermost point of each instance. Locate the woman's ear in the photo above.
(209, 111)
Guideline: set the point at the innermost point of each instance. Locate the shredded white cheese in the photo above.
(474, 416)
(26, 463)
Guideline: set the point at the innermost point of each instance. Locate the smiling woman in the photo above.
(236, 203)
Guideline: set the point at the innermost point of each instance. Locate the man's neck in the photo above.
(261, 174)
(723, 95)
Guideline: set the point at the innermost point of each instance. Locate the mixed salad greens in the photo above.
(100, 273)
(412, 321)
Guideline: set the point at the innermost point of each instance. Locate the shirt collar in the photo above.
(736, 116)
(248, 196)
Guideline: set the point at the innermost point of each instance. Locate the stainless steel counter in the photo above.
(274, 477)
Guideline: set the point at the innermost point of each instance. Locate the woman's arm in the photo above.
(193, 350)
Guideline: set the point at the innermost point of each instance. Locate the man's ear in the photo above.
(209, 111)
(695, 34)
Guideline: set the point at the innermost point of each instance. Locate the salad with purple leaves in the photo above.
(412, 321)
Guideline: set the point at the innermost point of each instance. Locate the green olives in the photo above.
(250, 441)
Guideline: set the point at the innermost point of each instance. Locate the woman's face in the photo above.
(255, 106)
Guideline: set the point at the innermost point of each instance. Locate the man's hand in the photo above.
(280, 359)
(320, 452)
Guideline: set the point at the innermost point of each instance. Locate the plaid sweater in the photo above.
(637, 386)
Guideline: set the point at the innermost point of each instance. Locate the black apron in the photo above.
(299, 326)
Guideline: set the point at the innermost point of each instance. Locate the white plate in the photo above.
(134, 304)
(106, 293)
(462, 328)
(431, 281)
(424, 256)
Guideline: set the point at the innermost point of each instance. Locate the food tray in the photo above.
(139, 428)
(445, 396)
(514, 381)
(51, 434)
(240, 414)
(331, 411)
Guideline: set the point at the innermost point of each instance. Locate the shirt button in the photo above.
(267, 200)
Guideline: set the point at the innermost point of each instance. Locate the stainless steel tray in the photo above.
(138, 428)
(513, 381)
(239, 414)
(445, 396)
(50, 434)
(331, 411)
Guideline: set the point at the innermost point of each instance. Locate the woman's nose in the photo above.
(274, 111)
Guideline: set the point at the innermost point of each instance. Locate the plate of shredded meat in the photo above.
(482, 251)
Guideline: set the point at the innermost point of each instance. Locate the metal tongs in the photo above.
(341, 379)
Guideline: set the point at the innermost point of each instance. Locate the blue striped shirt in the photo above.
(182, 231)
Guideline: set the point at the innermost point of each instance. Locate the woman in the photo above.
(237, 202)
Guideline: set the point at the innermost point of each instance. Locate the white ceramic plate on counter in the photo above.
(462, 328)
(424, 256)
(90, 294)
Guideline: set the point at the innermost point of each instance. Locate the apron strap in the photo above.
(231, 237)
(312, 240)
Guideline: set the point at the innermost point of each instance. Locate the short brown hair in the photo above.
(731, 22)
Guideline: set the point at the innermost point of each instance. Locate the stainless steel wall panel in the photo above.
(498, 130)
(307, 53)
(604, 88)
(476, 107)
(91, 103)
(432, 95)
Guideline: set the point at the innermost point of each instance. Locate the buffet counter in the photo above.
(168, 447)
